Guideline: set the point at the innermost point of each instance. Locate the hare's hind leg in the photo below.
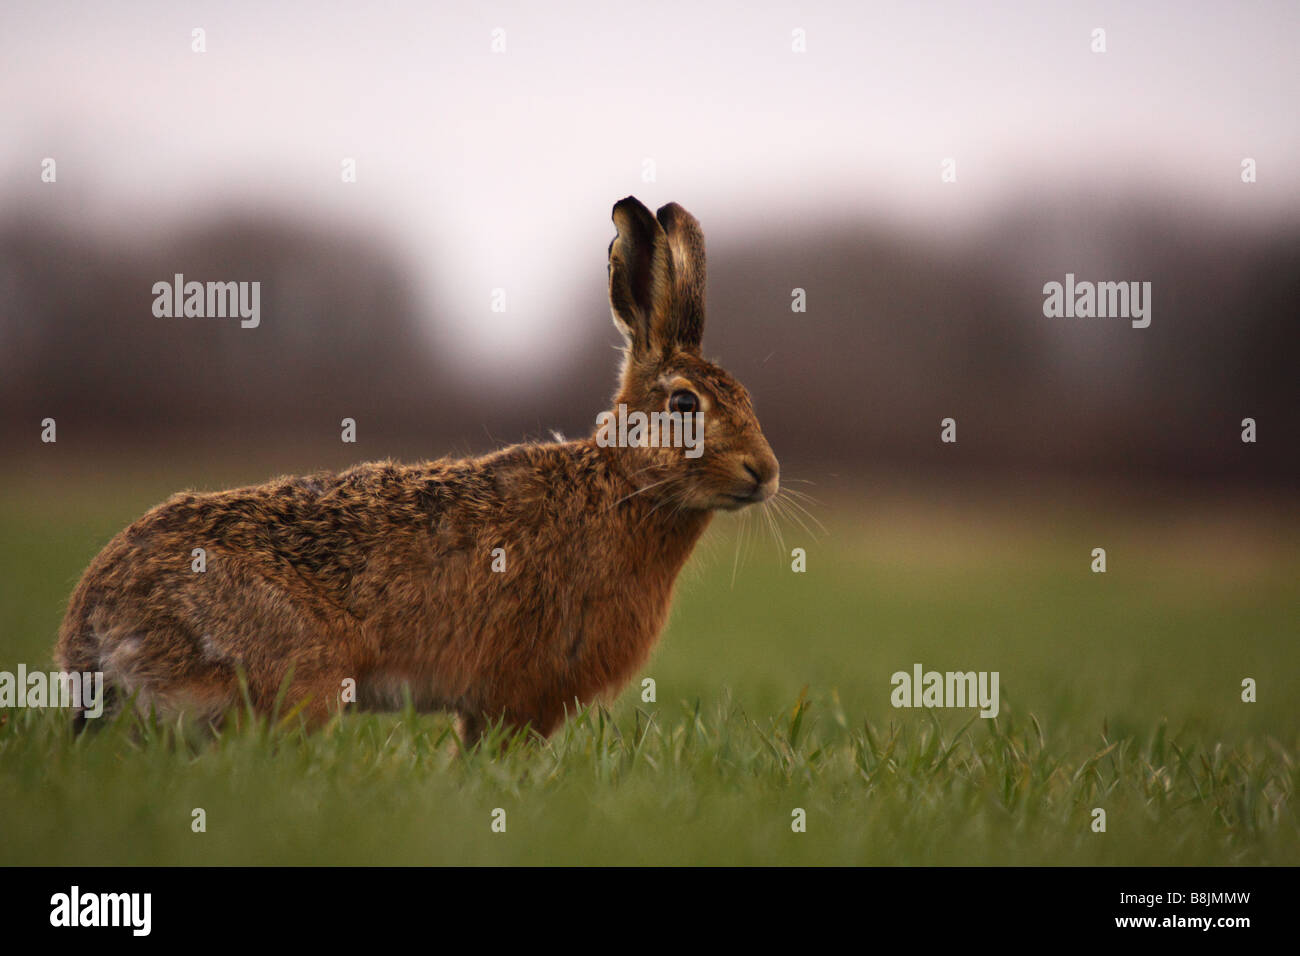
(155, 666)
(186, 646)
(292, 649)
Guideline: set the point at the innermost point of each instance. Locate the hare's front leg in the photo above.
(472, 724)
(469, 729)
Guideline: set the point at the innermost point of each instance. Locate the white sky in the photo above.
(499, 170)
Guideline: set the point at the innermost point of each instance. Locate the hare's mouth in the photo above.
(757, 495)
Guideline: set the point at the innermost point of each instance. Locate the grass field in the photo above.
(1119, 690)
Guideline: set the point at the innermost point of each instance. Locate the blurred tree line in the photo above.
(899, 332)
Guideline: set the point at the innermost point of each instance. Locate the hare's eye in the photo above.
(683, 401)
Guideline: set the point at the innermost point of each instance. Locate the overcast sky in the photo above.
(498, 170)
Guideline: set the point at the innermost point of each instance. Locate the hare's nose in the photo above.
(761, 470)
(764, 473)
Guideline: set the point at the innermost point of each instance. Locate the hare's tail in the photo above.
(80, 650)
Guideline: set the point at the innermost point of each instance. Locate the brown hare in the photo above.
(503, 587)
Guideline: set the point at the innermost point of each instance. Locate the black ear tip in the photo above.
(630, 203)
(633, 219)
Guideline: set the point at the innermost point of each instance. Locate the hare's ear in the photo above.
(640, 277)
(686, 246)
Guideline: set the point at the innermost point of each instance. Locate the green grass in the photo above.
(1119, 691)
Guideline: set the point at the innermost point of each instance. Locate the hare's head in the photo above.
(718, 457)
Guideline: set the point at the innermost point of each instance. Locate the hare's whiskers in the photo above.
(735, 563)
(802, 496)
(794, 503)
(782, 506)
(669, 498)
(774, 528)
(642, 490)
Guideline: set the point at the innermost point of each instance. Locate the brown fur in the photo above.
(383, 573)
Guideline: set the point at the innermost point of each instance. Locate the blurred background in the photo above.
(488, 147)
